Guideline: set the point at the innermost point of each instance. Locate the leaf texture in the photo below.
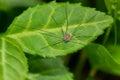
(41, 30)
(48, 69)
(13, 64)
(102, 59)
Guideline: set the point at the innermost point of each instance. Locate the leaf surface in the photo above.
(104, 60)
(41, 30)
(48, 69)
(13, 64)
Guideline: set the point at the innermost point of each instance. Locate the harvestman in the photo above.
(66, 36)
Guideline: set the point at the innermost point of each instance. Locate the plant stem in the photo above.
(107, 35)
(80, 65)
(107, 32)
(115, 26)
(109, 29)
(115, 32)
(93, 72)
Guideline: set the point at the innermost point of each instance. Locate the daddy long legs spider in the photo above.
(67, 36)
(66, 31)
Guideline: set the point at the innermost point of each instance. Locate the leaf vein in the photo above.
(30, 20)
(49, 17)
(3, 58)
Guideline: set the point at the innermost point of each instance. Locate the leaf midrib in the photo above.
(53, 30)
(3, 58)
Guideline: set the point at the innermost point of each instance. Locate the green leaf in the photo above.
(38, 29)
(13, 64)
(43, 77)
(115, 52)
(48, 69)
(101, 58)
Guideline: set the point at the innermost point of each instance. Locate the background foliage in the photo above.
(98, 60)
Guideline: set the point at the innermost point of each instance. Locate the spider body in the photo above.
(67, 37)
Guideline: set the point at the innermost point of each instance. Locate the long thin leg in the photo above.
(49, 33)
(84, 36)
(75, 30)
(52, 44)
(76, 42)
(43, 32)
(66, 12)
(58, 25)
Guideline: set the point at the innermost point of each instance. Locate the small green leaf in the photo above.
(48, 69)
(13, 64)
(115, 52)
(101, 58)
(41, 30)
